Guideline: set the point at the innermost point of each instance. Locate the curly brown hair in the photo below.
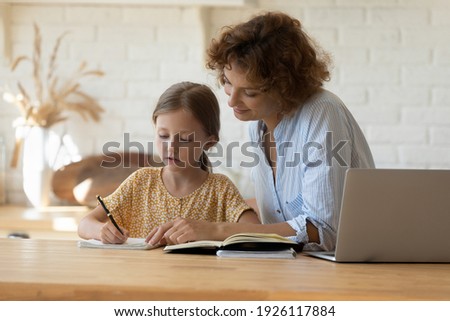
(276, 54)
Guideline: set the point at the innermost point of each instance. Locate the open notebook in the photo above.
(393, 215)
(130, 244)
(242, 245)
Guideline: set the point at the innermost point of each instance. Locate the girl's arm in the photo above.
(96, 225)
(184, 230)
(252, 203)
(249, 216)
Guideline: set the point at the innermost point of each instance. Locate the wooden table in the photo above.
(59, 270)
(53, 222)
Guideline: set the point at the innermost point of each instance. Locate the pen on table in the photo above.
(108, 213)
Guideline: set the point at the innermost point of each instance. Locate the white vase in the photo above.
(37, 170)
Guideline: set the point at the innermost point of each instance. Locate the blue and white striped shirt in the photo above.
(315, 146)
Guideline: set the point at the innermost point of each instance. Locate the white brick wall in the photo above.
(391, 67)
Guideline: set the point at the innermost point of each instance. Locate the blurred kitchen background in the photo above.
(391, 68)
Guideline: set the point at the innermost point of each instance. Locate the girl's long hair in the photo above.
(200, 101)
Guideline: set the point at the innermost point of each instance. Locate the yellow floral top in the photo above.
(142, 202)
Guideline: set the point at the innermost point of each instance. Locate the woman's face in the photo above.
(247, 100)
(180, 139)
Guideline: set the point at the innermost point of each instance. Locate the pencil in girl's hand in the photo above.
(109, 214)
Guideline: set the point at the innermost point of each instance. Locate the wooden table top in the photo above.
(59, 270)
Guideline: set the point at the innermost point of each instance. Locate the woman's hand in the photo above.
(110, 234)
(182, 230)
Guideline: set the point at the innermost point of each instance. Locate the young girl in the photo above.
(187, 124)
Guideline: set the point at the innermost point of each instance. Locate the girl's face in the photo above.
(248, 101)
(180, 139)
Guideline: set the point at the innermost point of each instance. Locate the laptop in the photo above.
(393, 215)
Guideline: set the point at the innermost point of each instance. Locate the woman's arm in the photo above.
(95, 225)
(284, 229)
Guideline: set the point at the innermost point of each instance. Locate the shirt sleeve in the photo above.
(119, 202)
(322, 174)
(233, 204)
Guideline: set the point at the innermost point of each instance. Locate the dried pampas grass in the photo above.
(53, 97)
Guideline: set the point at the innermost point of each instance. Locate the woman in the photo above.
(304, 135)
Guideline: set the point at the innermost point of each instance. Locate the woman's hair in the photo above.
(200, 101)
(276, 54)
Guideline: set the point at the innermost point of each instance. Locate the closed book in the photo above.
(277, 254)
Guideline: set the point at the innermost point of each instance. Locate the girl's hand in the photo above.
(156, 236)
(110, 234)
(181, 230)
